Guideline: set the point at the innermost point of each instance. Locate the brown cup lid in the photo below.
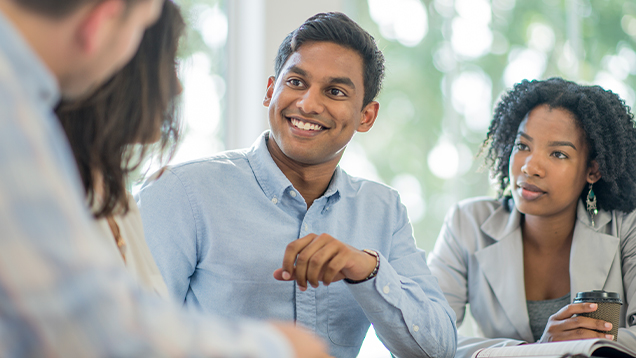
(598, 296)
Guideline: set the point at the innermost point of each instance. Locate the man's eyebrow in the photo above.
(562, 144)
(297, 70)
(342, 81)
(332, 80)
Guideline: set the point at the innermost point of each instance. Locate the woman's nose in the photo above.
(533, 166)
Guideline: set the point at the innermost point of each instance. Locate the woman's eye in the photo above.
(560, 155)
(520, 146)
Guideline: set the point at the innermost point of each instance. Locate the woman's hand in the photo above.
(564, 326)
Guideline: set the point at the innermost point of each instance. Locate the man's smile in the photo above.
(305, 125)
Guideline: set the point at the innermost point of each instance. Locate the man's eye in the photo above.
(295, 82)
(336, 92)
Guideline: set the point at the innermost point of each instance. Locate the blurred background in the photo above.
(448, 61)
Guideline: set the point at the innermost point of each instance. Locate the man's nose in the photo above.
(311, 102)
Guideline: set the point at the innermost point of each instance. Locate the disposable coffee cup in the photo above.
(609, 307)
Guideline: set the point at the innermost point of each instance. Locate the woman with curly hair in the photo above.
(564, 158)
(111, 132)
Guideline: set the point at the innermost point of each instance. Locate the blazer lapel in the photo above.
(499, 263)
(593, 252)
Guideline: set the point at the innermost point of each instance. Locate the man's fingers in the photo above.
(291, 252)
(303, 260)
(332, 271)
(278, 274)
(319, 261)
(315, 258)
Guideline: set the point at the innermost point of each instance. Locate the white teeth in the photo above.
(305, 125)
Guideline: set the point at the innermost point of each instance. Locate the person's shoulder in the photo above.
(200, 172)
(479, 204)
(474, 210)
(370, 188)
(625, 222)
(624, 215)
(213, 165)
(464, 222)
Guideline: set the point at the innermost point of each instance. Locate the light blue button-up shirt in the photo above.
(218, 228)
(62, 294)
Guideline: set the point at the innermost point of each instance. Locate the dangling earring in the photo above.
(591, 204)
(507, 191)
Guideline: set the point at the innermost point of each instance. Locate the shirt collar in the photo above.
(271, 178)
(501, 222)
(601, 219)
(21, 62)
(337, 182)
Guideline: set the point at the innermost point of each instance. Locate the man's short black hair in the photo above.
(337, 28)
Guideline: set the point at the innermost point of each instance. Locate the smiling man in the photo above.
(340, 249)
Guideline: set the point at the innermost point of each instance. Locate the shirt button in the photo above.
(306, 227)
(386, 289)
(292, 193)
(274, 200)
(416, 328)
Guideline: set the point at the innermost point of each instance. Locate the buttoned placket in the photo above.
(306, 301)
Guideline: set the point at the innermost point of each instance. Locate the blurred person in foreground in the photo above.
(220, 227)
(112, 130)
(63, 292)
(564, 158)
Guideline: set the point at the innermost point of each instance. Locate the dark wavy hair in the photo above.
(136, 106)
(607, 122)
(338, 28)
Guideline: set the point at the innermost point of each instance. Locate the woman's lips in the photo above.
(529, 192)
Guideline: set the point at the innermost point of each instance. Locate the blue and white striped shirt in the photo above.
(61, 293)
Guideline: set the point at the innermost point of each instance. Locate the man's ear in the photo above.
(271, 81)
(368, 116)
(593, 174)
(95, 27)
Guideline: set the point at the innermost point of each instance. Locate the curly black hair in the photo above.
(607, 122)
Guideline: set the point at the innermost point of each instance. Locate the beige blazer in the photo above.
(478, 259)
(139, 260)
